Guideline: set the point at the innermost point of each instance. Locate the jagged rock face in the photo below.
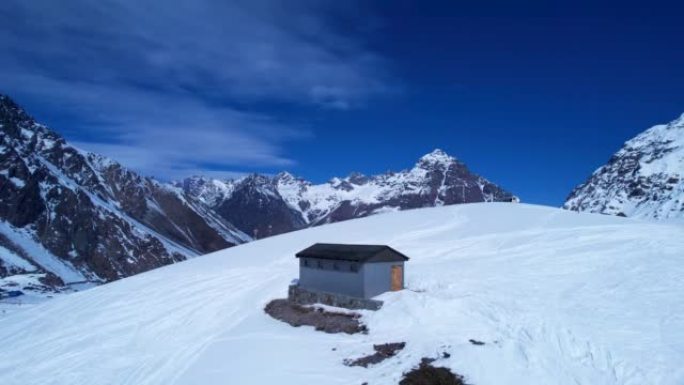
(92, 216)
(256, 206)
(437, 179)
(644, 179)
(287, 203)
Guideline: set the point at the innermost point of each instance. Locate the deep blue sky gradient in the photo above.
(533, 95)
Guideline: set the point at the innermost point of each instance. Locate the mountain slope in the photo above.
(557, 298)
(80, 216)
(285, 203)
(644, 179)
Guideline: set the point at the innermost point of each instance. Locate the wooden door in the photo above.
(397, 278)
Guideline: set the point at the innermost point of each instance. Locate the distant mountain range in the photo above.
(70, 216)
(644, 179)
(262, 205)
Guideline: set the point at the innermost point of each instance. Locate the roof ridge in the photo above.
(350, 252)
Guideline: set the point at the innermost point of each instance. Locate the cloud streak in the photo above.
(167, 87)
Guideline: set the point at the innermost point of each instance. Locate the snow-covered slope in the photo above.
(645, 179)
(285, 202)
(77, 216)
(557, 297)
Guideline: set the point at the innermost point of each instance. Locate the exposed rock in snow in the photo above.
(644, 179)
(273, 205)
(83, 217)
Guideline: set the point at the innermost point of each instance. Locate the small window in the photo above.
(306, 262)
(320, 264)
(353, 267)
(336, 266)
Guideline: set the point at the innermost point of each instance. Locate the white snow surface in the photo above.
(12, 260)
(558, 297)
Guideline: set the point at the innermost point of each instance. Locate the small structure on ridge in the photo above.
(347, 275)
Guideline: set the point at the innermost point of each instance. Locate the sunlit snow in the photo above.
(556, 296)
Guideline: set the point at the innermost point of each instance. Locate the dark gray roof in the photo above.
(355, 253)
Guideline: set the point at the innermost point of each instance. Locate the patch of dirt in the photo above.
(476, 342)
(426, 374)
(382, 352)
(325, 321)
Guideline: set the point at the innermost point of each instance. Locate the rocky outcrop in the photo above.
(89, 215)
(256, 206)
(644, 179)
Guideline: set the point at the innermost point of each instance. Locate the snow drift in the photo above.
(557, 297)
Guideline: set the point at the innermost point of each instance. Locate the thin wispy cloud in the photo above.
(166, 88)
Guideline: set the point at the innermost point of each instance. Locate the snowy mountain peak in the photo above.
(645, 178)
(16, 123)
(255, 179)
(11, 109)
(357, 178)
(293, 203)
(285, 177)
(437, 158)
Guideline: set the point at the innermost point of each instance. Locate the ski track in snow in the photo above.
(557, 297)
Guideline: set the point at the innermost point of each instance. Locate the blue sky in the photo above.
(533, 95)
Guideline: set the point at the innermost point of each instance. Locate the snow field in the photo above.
(558, 298)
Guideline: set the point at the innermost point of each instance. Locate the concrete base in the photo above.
(303, 296)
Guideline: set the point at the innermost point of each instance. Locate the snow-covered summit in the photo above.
(436, 179)
(285, 177)
(556, 297)
(436, 158)
(645, 178)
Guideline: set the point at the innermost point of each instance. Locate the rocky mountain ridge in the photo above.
(263, 205)
(77, 216)
(644, 179)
